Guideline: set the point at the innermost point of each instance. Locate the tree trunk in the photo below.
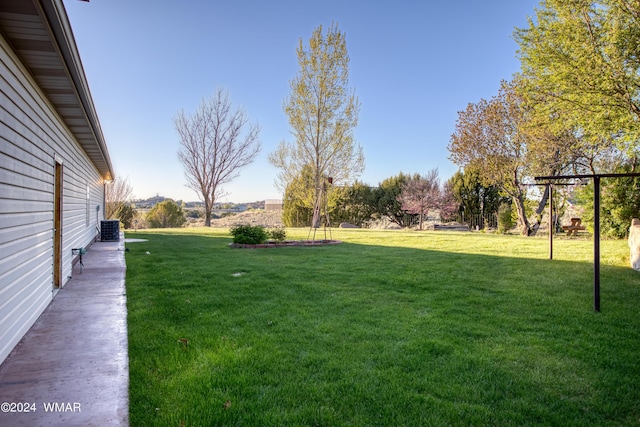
(317, 208)
(522, 216)
(208, 207)
(539, 212)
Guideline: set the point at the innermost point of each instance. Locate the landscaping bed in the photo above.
(273, 244)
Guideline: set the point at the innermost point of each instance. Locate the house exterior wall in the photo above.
(33, 139)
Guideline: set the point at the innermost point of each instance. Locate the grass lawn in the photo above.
(389, 328)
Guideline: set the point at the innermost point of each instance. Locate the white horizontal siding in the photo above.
(15, 240)
(23, 310)
(25, 218)
(16, 296)
(12, 272)
(17, 206)
(14, 183)
(32, 137)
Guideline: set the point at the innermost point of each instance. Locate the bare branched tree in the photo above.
(116, 194)
(215, 142)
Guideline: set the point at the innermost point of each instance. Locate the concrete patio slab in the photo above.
(72, 367)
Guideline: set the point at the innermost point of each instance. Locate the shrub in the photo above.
(126, 213)
(193, 213)
(249, 235)
(278, 234)
(166, 214)
(505, 218)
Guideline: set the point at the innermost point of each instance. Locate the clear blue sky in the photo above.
(414, 65)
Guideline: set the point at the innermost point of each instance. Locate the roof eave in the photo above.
(40, 33)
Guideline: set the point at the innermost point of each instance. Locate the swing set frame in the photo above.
(550, 181)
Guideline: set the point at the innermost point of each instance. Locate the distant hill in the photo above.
(228, 206)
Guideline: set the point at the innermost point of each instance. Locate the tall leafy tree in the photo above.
(490, 138)
(215, 143)
(322, 112)
(297, 209)
(387, 204)
(506, 144)
(299, 199)
(581, 69)
(474, 199)
(355, 204)
(619, 202)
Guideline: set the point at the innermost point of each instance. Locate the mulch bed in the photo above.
(286, 243)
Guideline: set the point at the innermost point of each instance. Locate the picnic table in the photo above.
(576, 225)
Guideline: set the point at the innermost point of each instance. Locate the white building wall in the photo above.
(32, 137)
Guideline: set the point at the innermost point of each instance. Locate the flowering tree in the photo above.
(420, 194)
(448, 204)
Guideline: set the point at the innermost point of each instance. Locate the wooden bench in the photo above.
(576, 225)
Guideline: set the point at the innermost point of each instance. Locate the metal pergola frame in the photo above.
(596, 220)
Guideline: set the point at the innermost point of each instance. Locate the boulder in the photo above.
(347, 225)
(451, 227)
(634, 243)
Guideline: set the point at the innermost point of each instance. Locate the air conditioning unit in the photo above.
(110, 230)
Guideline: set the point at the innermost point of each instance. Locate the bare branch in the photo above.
(117, 193)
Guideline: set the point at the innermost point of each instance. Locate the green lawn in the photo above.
(389, 328)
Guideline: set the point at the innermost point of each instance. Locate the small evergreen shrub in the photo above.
(249, 234)
(166, 214)
(505, 218)
(278, 234)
